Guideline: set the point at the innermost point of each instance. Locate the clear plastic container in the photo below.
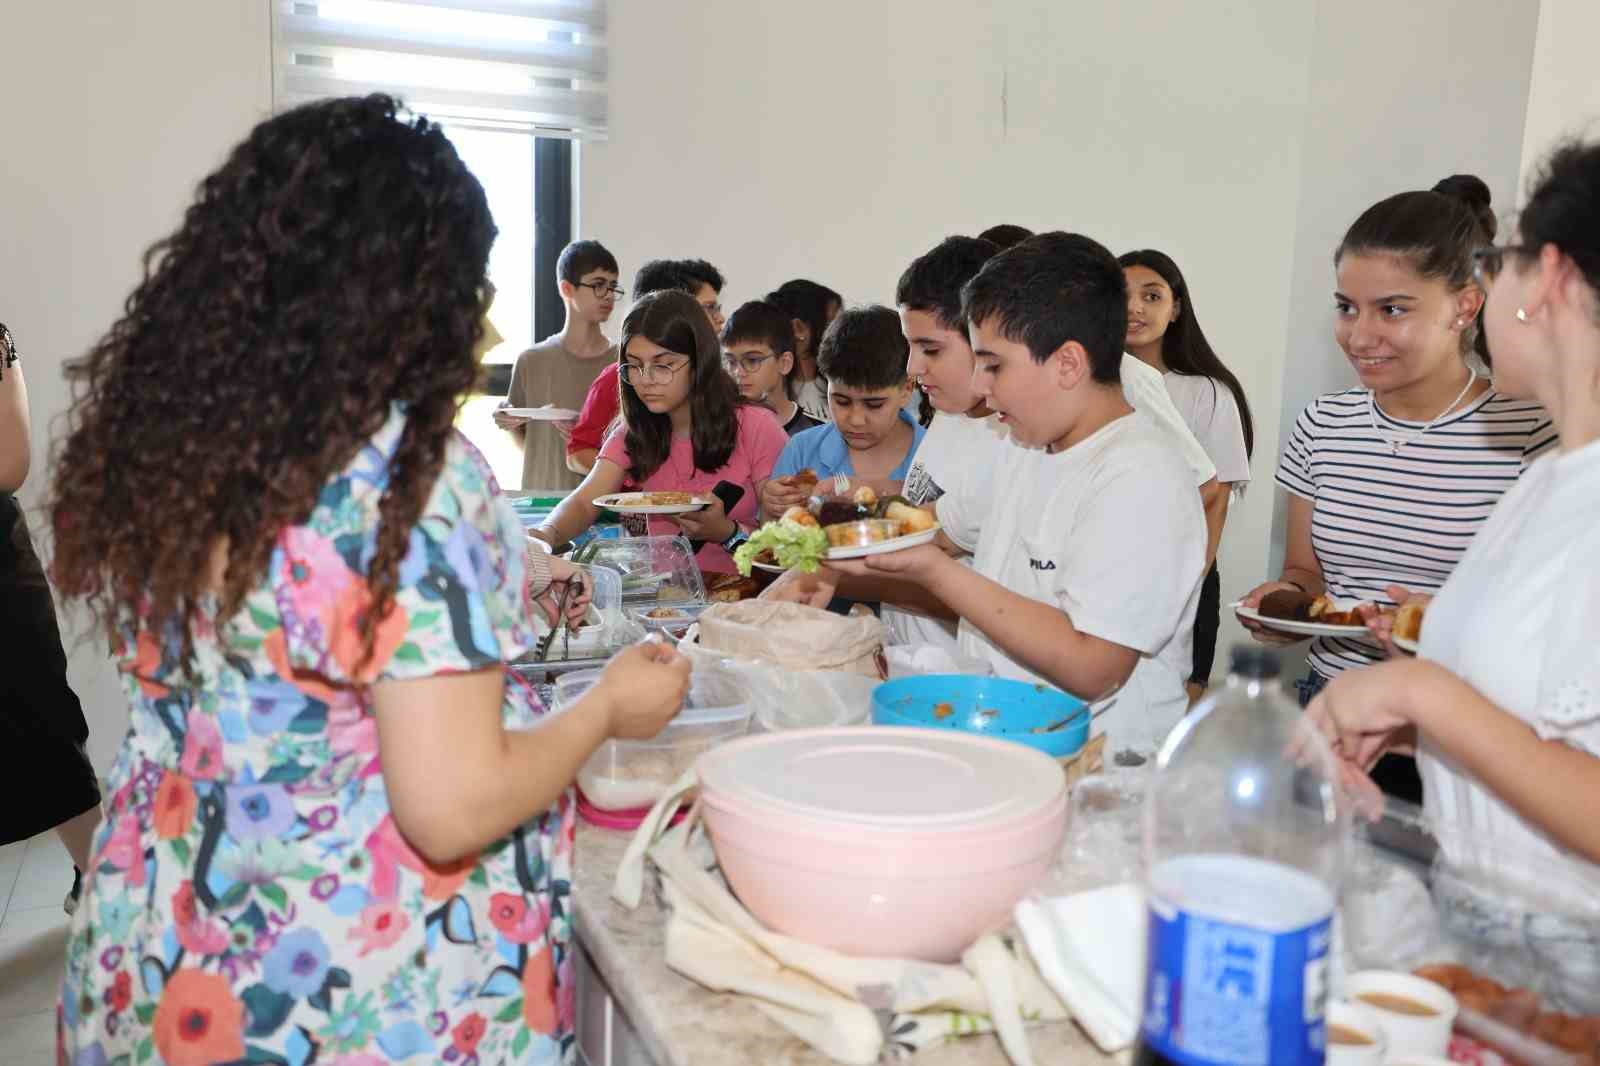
(605, 628)
(626, 775)
(1514, 935)
(653, 570)
(670, 619)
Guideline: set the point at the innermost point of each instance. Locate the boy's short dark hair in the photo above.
(864, 349)
(759, 322)
(581, 257)
(933, 281)
(1051, 289)
(703, 272)
(660, 275)
(1005, 235)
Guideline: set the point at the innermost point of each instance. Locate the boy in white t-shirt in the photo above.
(964, 437)
(1087, 535)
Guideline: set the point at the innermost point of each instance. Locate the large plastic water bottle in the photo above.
(1244, 849)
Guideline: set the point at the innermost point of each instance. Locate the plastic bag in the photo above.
(795, 637)
(791, 699)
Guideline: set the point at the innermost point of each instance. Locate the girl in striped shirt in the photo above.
(1389, 481)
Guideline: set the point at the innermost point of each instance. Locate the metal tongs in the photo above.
(573, 586)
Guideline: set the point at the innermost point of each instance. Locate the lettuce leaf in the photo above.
(794, 546)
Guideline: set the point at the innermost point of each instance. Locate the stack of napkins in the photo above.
(1090, 948)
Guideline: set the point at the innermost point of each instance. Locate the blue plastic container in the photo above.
(990, 706)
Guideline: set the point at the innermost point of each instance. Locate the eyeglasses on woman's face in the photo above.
(651, 373)
(1488, 261)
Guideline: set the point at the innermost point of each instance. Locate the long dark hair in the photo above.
(673, 320)
(332, 269)
(809, 302)
(1436, 232)
(1184, 347)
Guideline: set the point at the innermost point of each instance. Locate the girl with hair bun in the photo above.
(1389, 481)
(1504, 699)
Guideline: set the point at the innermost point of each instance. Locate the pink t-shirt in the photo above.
(760, 441)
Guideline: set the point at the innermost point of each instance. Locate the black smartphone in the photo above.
(730, 495)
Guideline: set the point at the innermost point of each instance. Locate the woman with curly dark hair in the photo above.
(684, 429)
(325, 836)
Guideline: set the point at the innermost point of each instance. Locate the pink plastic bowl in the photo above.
(882, 892)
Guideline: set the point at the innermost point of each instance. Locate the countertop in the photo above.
(684, 1024)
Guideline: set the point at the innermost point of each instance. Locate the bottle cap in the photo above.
(1252, 660)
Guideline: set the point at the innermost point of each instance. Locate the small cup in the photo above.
(1357, 1019)
(1408, 1034)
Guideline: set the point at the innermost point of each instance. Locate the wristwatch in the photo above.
(736, 538)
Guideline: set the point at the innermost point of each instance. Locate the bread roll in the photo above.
(1408, 621)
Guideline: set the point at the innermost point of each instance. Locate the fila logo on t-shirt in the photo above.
(919, 487)
(1038, 564)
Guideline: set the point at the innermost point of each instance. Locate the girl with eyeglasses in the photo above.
(684, 428)
(1504, 696)
(1388, 482)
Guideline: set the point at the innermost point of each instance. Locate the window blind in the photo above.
(535, 65)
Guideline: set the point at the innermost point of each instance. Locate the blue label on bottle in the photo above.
(1219, 993)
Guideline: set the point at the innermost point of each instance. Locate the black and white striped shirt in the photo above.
(1382, 516)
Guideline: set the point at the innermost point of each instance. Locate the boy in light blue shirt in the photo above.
(871, 440)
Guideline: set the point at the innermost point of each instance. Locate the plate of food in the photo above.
(765, 562)
(541, 414)
(799, 541)
(1292, 611)
(653, 502)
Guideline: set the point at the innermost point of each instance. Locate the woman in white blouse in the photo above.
(1164, 332)
(1504, 699)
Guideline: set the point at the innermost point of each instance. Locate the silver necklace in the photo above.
(1410, 436)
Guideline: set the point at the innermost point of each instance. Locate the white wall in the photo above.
(1402, 95)
(110, 113)
(840, 139)
(1564, 98)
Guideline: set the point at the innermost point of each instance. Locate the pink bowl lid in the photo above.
(883, 777)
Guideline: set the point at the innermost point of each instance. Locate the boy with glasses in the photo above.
(559, 370)
(758, 352)
(707, 292)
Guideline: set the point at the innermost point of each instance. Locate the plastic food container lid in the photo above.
(714, 698)
(884, 777)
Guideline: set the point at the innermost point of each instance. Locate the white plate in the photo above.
(1304, 629)
(771, 568)
(618, 502)
(1410, 647)
(541, 414)
(884, 547)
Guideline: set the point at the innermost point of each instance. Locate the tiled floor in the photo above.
(34, 876)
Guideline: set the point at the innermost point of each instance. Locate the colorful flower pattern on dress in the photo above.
(251, 898)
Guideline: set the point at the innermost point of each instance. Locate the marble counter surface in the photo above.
(684, 1024)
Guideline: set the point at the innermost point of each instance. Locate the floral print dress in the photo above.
(250, 898)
